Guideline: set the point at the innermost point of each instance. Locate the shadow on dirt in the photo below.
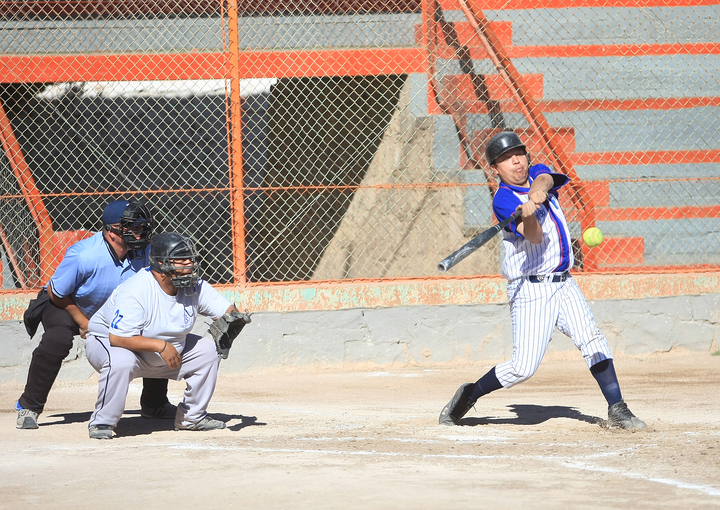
(132, 424)
(529, 414)
(66, 418)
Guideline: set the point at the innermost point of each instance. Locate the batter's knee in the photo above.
(521, 376)
(512, 374)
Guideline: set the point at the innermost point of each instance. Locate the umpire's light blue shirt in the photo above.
(90, 272)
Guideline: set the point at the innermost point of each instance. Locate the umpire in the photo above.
(89, 272)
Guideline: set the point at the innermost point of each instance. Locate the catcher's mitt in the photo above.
(226, 328)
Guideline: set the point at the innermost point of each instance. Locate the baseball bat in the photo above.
(475, 243)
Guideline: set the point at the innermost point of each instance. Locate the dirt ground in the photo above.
(370, 439)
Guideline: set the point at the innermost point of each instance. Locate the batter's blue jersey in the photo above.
(523, 258)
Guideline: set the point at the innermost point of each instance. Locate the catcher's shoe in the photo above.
(620, 416)
(206, 423)
(458, 406)
(164, 412)
(100, 432)
(27, 419)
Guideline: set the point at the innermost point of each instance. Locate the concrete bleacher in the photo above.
(584, 74)
(677, 222)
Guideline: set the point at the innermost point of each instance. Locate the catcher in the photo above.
(143, 330)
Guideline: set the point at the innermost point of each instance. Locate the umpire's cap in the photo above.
(500, 144)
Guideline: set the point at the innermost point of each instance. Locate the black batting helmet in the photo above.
(168, 247)
(500, 144)
(130, 220)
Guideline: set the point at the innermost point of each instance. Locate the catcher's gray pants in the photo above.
(118, 366)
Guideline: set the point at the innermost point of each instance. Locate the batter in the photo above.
(541, 291)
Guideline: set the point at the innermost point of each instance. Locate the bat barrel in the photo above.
(444, 265)
(475, 243)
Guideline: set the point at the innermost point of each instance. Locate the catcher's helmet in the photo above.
(168, 247)
(131, 221)
(500, 144)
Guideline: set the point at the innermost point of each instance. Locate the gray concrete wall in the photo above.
(428, 336)
(173, 35)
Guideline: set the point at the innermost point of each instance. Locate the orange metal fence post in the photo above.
(32, 198)
(237, 195)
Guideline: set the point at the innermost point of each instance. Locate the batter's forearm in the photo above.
(540, 188)
(531, 230)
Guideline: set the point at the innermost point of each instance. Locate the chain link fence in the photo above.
(344, 140)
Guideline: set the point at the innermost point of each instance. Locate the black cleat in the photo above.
(458, 406)
(619, 416)
(166, 411)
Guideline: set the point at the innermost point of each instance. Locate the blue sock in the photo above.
(604, 374)
(487, 383)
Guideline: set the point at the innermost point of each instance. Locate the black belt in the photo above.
(554, 278)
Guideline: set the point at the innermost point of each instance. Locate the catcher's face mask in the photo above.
(184, 273)
(135, 226)
(175, 255)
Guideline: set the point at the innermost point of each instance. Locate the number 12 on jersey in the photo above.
(116, 320)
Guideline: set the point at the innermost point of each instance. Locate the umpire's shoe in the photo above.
(164, 412)
(26, 419)
(458, 406)
(619, 416)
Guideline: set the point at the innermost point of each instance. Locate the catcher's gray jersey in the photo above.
(140, 307)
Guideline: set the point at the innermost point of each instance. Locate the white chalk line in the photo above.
(473, 439)
(568, 462)
(458, 439)
(710, 490)
(389, 374)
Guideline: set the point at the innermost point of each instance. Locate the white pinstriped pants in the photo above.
(536, 309)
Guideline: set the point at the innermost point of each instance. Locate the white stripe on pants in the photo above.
(118, 366)
(536, 309)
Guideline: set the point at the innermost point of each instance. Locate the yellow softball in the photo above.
(593, 237)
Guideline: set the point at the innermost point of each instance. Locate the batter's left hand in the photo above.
(539, 196)
(528, 208)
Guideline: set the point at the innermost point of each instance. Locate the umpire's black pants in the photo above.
(47, 358)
